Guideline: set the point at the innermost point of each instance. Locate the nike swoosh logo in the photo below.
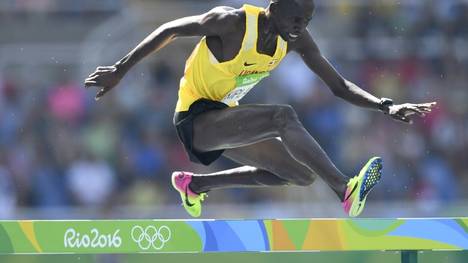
(352, 191)
(187, 202)
(249, 64)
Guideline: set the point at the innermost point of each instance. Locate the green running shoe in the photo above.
(190, 200)
(360, 186)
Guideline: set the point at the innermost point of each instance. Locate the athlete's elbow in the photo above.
(339, 89)
(168, 32)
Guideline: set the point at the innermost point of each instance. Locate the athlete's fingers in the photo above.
(92, 74)
(409, 112)
(90, 83)
(95, 73)
(92, 78)
(97, 78)
(426, 107)
(101, 93)
(424, 110)
(415, 110)
(406, 120)
(402, 118)
(106, 68)
(103, 68)
(100, 72)
(429, 105)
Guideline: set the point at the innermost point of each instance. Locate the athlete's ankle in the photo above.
(341, 192)
(196, 185)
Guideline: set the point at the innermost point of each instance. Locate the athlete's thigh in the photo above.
(234, 127)
(271, 155)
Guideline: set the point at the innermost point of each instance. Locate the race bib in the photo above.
(243, 85)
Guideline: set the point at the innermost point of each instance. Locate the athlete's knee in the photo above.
(284, 115)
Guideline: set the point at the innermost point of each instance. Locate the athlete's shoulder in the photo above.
(226, 17)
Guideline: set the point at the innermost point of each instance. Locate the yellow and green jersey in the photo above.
(228, 82)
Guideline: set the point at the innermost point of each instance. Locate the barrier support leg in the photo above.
(409, 256)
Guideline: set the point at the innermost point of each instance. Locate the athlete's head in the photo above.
(291, 17)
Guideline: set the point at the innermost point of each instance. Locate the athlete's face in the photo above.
(291, 17)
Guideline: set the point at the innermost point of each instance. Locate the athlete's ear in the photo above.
(274, 7)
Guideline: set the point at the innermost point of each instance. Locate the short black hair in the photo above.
(311, 2)
(297, 2)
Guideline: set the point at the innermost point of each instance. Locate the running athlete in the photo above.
(239, 47)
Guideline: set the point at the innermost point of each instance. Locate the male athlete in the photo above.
(239, 47)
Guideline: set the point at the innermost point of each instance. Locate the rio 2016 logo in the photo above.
(151, 236)
(94, 239)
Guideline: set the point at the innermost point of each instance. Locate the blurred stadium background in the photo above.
(62, 155)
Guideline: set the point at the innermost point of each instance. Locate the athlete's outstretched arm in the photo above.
(215, 22)
(312, 57)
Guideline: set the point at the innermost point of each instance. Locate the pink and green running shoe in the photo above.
(190, 200)
(360, 186)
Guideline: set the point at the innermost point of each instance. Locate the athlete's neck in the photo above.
(266, 27)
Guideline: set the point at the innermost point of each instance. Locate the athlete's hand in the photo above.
(403, 112)
(104, 78)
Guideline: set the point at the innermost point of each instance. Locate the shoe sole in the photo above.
(367, 184)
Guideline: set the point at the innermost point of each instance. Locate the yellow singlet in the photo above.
(228, 81)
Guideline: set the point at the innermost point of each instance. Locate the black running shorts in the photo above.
(183, 122)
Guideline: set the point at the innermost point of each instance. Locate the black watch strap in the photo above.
(385, 104)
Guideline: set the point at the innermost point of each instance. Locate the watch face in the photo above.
(386, 102)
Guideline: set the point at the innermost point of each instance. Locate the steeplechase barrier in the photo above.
(199, 236)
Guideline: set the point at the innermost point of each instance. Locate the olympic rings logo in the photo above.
(151, 236)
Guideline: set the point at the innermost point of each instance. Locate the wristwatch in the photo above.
(385, 104)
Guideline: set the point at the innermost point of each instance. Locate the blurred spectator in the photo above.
(7, 191)
(90, 181)
(66, 102)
